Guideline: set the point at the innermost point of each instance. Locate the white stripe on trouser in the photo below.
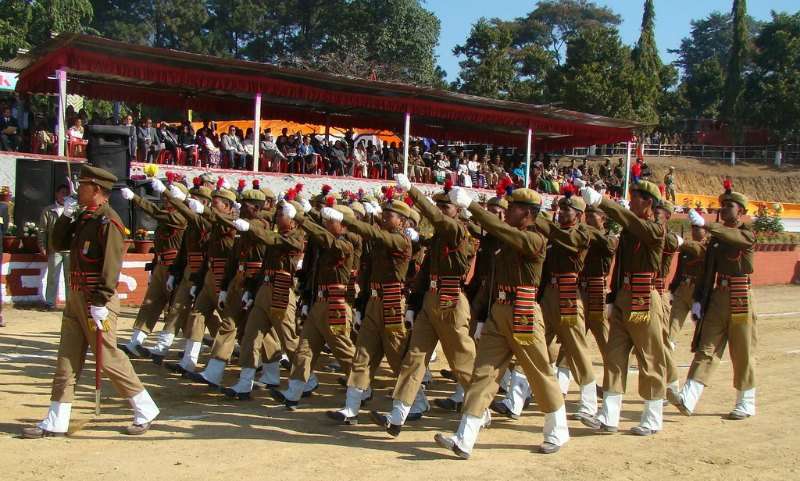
(458, 395)
(399, 412)
(165, 339)
(191, 352)
(563, 376)
(518, 391)
(746, 401)
(468, 429)
(144, 409)
(652, 414)
(57, 419)
(690, 394)
(270, 373)
(612, 405)
(352, 401)
(588, 403)
(555, 427)
(245, 383)
(214, 371)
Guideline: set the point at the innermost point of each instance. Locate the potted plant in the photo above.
(142, 241)
(10, 240)
(128, 241)
(30, 240)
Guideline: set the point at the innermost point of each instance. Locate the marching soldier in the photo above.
(514, 327)
(672, 243)
(724, 306)
(445, 309)
(635, 322)
(690, 269)
(382, 332)
(275, 302)
(95, 239)
(168, 237)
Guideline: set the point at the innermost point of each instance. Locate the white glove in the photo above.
(221, 299)
(225, 184)
(170, 283)
(247, 300)
(70, 206)
(478, 330)
(409, 319)
(579, 183)
(237, 206)
(607, 308)
(241, 225)
(195, 205)
(624, 203)
(402, 181)
(288, 210)
(460, 197)
(306, 205)
(356, 320)
(591, 196)
(465, 214)
(304, 311)
(376, 207)
(696, 219)
(99, 314)
(671, 298)
(329, 213)
(126, 193)
(697, 311)
(414, 235)
(368, 208)
(176, 193)
(680, 240)
(158, 186)
(193, 292)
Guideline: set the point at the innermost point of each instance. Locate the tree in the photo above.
(734, 79)
(647, 66)
(774, 86)
(488, 69)
(26, 24)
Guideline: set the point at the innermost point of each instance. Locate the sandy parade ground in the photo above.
(203, 435)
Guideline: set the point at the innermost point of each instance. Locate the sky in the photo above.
(673, 19)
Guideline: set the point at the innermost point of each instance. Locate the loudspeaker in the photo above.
(140, 219)
(122, 207)
(34, 190)
(109, 148)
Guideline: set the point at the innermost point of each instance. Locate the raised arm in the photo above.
(734, 236)
(528, 244)
(392, 241)
(571, 240)
(650, 233)
(160, 215)
(443, 224)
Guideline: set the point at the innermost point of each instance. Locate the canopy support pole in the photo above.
(528, 159)
(257, 132)
(61, 76)
(627, 177)
(406, 135)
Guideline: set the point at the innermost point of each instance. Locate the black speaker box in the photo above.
(34, 190)
(108, 148)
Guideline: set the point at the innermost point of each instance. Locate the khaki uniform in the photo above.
(670, 248)
(729, 317)
(276, 301)
(515, 326)
(594, 282)
(96, 244)
(445, 310)
(479, 290)
(689, 270)
(382, 331)
(635, 322)
(167, 242)
(330, 317)
(562, 302)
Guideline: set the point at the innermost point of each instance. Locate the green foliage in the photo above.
(734, 78)
(647, 65)
(26, 24)
(768, 220)
(488, 69)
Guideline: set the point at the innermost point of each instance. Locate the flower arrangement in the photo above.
(29, 230)
(141, 234)
(11, 230)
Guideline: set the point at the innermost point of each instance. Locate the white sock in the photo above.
(399, 412)
(57, 419)
(612, 405)
(652, 414)
(555, 428)
(144, 409)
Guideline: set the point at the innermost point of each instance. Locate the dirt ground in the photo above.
(202, 435)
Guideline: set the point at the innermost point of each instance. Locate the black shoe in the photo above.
(549, 448)
(197, 377)
(642, 431)
(448, 443)
(368, 399)
(175, 367)
(135, 353)
(342, 381)
(286, 364)
(260, 386)
(594, 424)
(447, 374)
(158, 359)
(414, 416)
(392, 429)
(310, 392)
(279, 397)
(341, 418)
(241, 396)
(208, 341)
(500, 408)
(448, 405)
(35, 432)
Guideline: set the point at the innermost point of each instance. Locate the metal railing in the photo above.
(752, 153)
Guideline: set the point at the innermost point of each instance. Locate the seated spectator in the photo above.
(417, 169)
(169, 141)
(147, 140)
(360, 163)
(208, 148)
(76, 131)
(272, 155)
(9, 131)
(305, 155)
(233, 149)
(187, 141)
(44, 140)
(337, 160)
(462, 171)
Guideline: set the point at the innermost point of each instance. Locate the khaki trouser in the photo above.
(717, 331)
(644, 339)
(177, 317)
(681, 307)
(479, 306)
(76, 335)
(571, 335)
(205, 306)
(374, 342)
(233, 318)
(597, 324)
(669, 361)
(57, 264)
(495, 349)
(155, 300)
(433, 324)
(262, 319)
(316, 333)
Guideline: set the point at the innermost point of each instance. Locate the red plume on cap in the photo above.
(409, 201)
(330, 201)
(568, 189)
(171, 177)
(727, 184)
(256, 184)
(197, 182)
(290, 194)
(242, 184)
(448, 184)
(353, 197)
(325, 189)
(298, 188)
(220, 181)
(505, 186)
(389, 193)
